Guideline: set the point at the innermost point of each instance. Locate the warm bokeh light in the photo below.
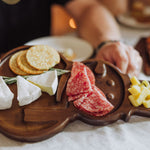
(72, 23)
(61, 22)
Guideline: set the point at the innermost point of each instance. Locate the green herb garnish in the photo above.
(10, 80)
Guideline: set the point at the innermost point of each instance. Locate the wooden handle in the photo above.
(63, 79)
(48, 114)
(141, 111)
(61, 86)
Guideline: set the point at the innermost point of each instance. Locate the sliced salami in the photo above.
(78, 84)
(98, 90)
(85, 95)
(78, 67)
(75, 97)
(95, 103)
(90, 75)
(78, 104)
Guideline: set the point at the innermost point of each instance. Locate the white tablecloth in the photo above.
(132, 135)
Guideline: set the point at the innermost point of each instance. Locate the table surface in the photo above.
(134, 134)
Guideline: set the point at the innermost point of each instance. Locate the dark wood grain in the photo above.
(63, 79)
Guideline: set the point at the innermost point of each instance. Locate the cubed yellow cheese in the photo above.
(135, 102)
(148, 97)
(134, 90)
(135, 81)
(146, 103)
(140, 93)
(148, 87)
(138, 100)
(144, 93)
(145, 83)
(141, 86)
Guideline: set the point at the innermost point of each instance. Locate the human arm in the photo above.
(96, 24)
(119, 7)
(125, 57)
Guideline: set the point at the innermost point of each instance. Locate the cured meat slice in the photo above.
(79, 84)
(85, 95)
(95, 103)
(78, 67)
(98, 90)
(74, 97)
(90, 75)
(78, 104)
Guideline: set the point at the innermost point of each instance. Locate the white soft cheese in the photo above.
(6, 96)
(27, 92)
(48, 81)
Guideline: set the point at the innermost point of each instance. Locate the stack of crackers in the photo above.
(35, 60)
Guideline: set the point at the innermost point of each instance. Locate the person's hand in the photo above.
(125, 57)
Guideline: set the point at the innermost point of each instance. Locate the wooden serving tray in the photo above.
(51, 114)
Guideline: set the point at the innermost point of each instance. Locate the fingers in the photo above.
(135, 62)
(126, 58)
(121, 59)
(116, 54)
(105, 55)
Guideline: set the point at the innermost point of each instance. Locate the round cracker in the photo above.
(42, 57)
(23, 64)
(14, 66)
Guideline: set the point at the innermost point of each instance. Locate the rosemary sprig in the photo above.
(59, 71)
(10, 80)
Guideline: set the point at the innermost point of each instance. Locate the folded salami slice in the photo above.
(75, 97)
(90, 75)
(79, 84)
(78, 67)
(95, 103)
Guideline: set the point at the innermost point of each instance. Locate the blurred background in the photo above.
(62, 23)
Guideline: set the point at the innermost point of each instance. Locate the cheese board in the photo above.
(49, 115)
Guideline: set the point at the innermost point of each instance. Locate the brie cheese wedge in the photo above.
(47, 81)
(26, 91)
(6, 96)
